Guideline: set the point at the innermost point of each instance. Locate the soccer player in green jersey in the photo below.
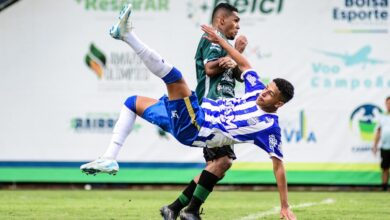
(216, 75)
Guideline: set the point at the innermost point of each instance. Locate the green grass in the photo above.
(224, 205)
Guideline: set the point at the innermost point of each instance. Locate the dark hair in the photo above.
(387, 99)
(223, 6)
(286, 89)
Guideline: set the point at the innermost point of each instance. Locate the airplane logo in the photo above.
(359, 57)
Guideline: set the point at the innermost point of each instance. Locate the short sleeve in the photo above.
(252, 81)
(212, 52)
(270, 142)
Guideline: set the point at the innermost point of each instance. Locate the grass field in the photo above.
(224, 205)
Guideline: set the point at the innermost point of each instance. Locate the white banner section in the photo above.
(64, 79)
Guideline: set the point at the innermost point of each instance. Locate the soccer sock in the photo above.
(184, 198)
(122, 128)
(152, 60)
(205, 186)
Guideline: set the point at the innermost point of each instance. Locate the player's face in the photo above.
(270, 98)
(230, 26)
(388, 105)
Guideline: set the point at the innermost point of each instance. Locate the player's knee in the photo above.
(224, 163)
(131, 103)
(173, 75)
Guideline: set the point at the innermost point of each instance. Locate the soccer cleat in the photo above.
(168, 213)
(101, 165)
(186, 215)
(124, 25)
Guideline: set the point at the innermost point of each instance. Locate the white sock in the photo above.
(122, 129)
(152, 60)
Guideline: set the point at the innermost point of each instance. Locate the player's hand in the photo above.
(212, 35)
(286, 213)
(227, 62)
(241, 43)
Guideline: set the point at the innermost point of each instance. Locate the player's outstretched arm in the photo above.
(213, 37)
(280, 175)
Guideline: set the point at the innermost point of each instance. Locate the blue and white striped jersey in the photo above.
(240, 120)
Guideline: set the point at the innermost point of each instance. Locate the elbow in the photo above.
(245, 67)
(210, 73)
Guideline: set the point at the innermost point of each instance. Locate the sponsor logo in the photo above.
(360, 57)
(363, 120)
(94, 122)
(361, 16)
(117, 71)
(97, 123)
(349, 70)
(272, 142)
(96, 60)
(251, 79)
(117, 5)
(362, 123)
(174, 114)
(200, 11)
(239, 89)
(297, 131)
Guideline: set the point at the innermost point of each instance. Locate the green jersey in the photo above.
(221, 85)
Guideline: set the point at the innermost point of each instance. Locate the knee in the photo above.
(130, 103)
(219, 166)
(224, 163)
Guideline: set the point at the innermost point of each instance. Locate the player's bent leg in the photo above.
(182, 201)
(155, 112)
(178, 90)
(219, 166)
(219, 159)
(124, 125)
(142, 103)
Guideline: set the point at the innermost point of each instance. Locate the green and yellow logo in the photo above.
(116, 66)
(364, 119)
(96, 60)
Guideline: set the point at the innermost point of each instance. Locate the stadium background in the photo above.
(64, 80)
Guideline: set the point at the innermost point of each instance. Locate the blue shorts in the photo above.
(182, 118)
(186, 117)
(157, 114)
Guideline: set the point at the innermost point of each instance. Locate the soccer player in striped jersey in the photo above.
(216, 75)
(249, 119)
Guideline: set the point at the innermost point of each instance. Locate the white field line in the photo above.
(276, 210)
